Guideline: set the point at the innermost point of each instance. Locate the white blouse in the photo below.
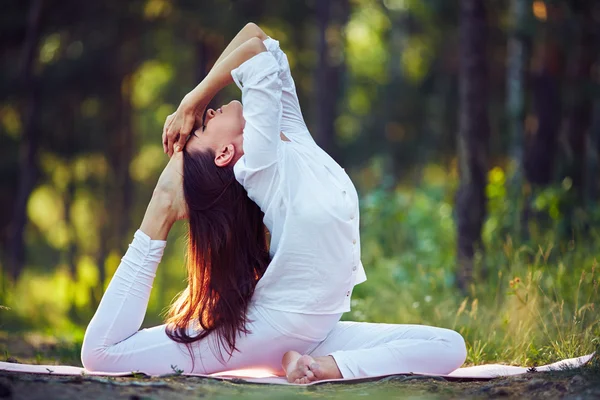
(310, 203)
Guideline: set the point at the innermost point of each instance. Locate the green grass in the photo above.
(531, 304)
(537, 302)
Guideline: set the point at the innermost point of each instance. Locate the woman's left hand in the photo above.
(169, 188)
(168, 203)
(179, 125)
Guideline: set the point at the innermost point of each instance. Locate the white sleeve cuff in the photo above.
(272, 46)
(256, 68)
(149, 245)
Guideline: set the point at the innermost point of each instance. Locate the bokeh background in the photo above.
(471, 129)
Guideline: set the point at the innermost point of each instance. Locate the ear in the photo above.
(225, 155)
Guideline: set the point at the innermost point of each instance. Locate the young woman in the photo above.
(250, 304)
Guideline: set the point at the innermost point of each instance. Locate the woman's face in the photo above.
(222, 127)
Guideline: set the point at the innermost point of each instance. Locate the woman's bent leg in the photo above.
(114, 343)
(151, 351)
(367, 349)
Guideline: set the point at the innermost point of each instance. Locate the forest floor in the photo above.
(583, 383)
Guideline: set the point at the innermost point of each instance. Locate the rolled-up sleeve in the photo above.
(261, 86)
(292, 120)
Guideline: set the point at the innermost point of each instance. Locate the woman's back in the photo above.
(310, 203)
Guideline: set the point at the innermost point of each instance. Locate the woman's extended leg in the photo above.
(367, 349)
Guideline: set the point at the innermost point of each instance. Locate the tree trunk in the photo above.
(128, 60)
(29, 146)
(206, 55)
(398, 35)
(124, 156)
(543, 128)
(332, 16)
(545, 81)
(579, 115)
(203, 59)
(472, 137)
(593, 158)
(518, 56)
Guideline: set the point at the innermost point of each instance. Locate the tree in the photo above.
(29, 143)
(545, 80)
(332, 16)
(473, 136)
(517, 57)
(579, 108)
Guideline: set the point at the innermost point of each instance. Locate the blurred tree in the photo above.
(472, 137)
(128, 58)
(29, 140)
(517, 67)
(543, 125)
(396, 111)
(594, 145)
(584, 52)
(332, 16)
(593, 148)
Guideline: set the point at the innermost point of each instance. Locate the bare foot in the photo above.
(305, 369)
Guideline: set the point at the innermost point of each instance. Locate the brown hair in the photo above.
(227, 254)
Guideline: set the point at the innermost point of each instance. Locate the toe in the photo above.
(316, 370)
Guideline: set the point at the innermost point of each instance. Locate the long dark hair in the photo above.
(227, 254)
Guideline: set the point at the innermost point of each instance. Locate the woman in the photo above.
(249, 305)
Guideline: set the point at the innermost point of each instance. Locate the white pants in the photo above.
(114, 343)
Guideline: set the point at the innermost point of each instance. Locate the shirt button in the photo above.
(352, 217)
(354, 268)
(344, 192)
(354, 241)
(347, 293)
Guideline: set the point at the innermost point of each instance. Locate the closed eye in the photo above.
(204, 119)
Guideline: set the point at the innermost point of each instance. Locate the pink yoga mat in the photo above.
(479, 372)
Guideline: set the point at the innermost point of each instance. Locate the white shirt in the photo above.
(309, 202)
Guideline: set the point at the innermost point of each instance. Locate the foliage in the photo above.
(539, 305)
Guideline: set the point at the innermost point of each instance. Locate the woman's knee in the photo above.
(91, 359)
(457, 346)
(95, 357)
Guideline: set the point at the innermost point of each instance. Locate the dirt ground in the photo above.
(581, 384)
(563, 385)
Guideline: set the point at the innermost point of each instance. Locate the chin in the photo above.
(235, 104)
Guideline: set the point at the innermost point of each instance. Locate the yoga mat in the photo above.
(479, 372)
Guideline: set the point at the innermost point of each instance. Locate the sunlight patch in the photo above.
(247, 373)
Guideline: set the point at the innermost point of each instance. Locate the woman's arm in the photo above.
(248, 32)
(177, 132)
(220, 75)
(167, 204)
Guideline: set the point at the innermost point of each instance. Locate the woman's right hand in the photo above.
(179, 125)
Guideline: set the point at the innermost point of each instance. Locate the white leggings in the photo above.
(114, 343)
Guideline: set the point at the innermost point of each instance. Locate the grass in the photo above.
(514, 320)
(531, 304)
